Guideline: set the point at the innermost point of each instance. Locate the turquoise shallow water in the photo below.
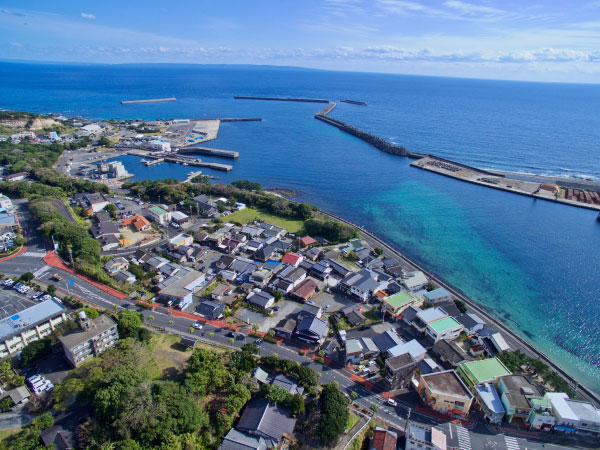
(535, 264)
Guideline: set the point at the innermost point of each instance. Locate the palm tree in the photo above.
(150, 318)
(191, 330)
(171, 322)
(255, 327)
(211, 334)
(115, 307)
(231, 341)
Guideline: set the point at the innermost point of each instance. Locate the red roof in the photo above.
(291, 259)
(382, 440)
(307, 240)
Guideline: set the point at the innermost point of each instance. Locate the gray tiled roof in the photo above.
(265, 419)
(236, 440)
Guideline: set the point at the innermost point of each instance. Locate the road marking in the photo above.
(41, 271)
(34, 254)
(450, 428)
(511, 443)
(464, 439)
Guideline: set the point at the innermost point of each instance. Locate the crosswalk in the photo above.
(41, 271)
(464, 439)
(511, 443)
(35, 254)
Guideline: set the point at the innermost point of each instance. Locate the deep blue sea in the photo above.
(535, 264)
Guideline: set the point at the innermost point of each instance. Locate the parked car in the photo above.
(391, 402)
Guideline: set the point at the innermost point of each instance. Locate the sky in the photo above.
(534, 40)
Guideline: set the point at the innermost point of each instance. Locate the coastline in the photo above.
(582, 390)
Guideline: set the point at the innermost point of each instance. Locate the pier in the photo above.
(282, 99)
(152, 162)
(209, 151)
(354, 102)
(181, 159)
(150, 100)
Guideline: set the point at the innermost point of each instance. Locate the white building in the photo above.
(573, 415)
(423, 437)
(5, 202)
(159, 215)
(160, 146)
(95, 336)
(415, 281)
(29, 325)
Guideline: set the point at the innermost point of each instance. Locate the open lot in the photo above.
(250, 215)
(11, 302)
(335, 299)
(54, 367)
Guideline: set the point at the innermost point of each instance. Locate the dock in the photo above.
(181, 159)
(282, 99)
(354, 102)
(210, 151)
(152, 162)
(150, 100)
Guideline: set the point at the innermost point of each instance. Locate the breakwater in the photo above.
(354, 102)
(582, 391)
(241, 119)
(282, 99)
(369, 138)
(150, 100)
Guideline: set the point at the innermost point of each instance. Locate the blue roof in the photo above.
(437, 294)
(29, 317)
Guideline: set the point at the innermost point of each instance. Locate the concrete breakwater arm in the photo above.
(369, 138)
(282, 99)
(354, 102)
(150, 100)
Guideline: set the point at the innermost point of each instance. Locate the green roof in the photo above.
(158, 210)
(484, 370)
(353, 346)
(540, 401)
(355, 243)
(400, 299)
(447, 323)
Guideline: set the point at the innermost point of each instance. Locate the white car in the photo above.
(8, 282)
(391, 402)
(197, 326)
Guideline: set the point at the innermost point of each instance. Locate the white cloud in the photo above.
(88, 16)
(473, 10)
(16, 44)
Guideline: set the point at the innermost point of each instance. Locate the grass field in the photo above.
(246, 215)
(8, 432)
(352, 419)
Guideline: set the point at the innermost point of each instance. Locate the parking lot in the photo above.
(288, 309)
(334, 299)
(11, 302)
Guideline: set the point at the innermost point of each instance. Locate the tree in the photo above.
(231, 341)
(211, 334)
(191, 330)
(296, 404)
(91, 313)
(104, 142)
(51, 289)
(111, 209)
(115, 306)
(334, 413)
(26, 277)
(129, 323)
(378, 251)
(462, 307)
(150, 318)
(36, 350)
(171, 322)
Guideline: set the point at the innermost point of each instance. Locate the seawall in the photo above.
(582, 391)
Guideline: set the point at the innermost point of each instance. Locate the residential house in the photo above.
(409, 315)
(573, 415)
(305, 290)
(281, 246)
(482, 371)
(270, 230)
(399, 370)
(267, 420)
(260, 277)
(428, 365)
(415, 281)
(265, 253)
(541, 416)
(252, 246)
(437, 295)
(102, 229)
(428, 316)
(220, 291)
(370, 350)
(293, 259)
(125, 277)
(116, 265)
(312, 253)
(138, 223)
(321, 270)
(204, 206)
(424, 437)
(354, 352)
(57, 437)
(309, 310)
(19, 176)
(338, 268)
(103, 216)
(211, 310)
(362, 284)
(287, 383)
(159, 215)
(181, 289)
(252, 232)
(383, 440)
(450, 353)
(236, 440)
(289, 278)
(154, 263)
(94, 336)
(93, 202)
(353, 245)
(515, 391)
(447, 328)
(413, 347)
(497, 343)
(397, 303)
(181, 239)
(489, 402)
(471, 322)
(287, 329)
(261, 299)
(386, 340)
(312, 330)
(353, 315)
(108, 242)
(445, 392)
(306, 241)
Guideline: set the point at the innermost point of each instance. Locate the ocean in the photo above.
(534, 264)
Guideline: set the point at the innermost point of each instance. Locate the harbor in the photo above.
(152, 162)
(210, 151)
(183, 160)
(150, 100)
